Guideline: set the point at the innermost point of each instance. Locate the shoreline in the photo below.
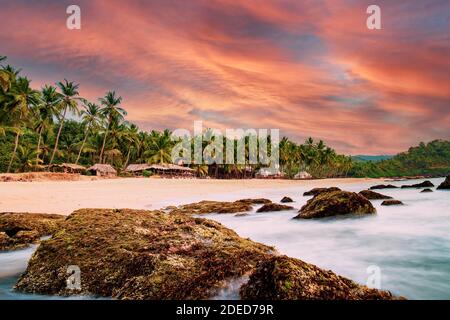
(64, 197)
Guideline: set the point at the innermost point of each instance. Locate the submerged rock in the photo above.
(426, 190)
(335, 203)
(137, 254)
(18, 230)
(286, 200)
(284, 278)
(273, 207)
(425, 184)
(392, 203)
(205, 207)
(445, 185)
(317, 191)
(372, 195)
(383, 186)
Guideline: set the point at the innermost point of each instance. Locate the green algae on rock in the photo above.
(335, 203)
(18, 230)
(284, 278)
(372, 195)
(137, 254)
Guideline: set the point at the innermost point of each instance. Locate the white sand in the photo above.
(66, 196)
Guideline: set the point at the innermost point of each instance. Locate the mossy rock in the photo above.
(383, 186)
(445, 185)
(372, 195)
(316, 191)
(18, 230)
(284, 278)
(392, 203)
(254, 201)
(286, 200)
(206, 207)
(425, 184)
(336, 203)
(274, 207)
(137, 254)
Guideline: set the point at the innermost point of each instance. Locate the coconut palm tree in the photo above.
(45, 112)
(132, 139)
(27, 158)
(68, 101)
(160, 148)
(91, 118)
(18, 103)
(111, 111)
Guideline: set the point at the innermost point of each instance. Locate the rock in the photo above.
(425, 184)
(4, 241)
(286, 200)
(383, 186)
(284, 278)
(372, 195)
(138, 254)
(274, 207)
(445, 185)
(392, 203)
(335, 203)
(317, 191)
(254, 201)
(23, 229)
(205, 207)
(426, 190)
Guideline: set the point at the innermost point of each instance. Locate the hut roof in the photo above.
(169, 166)
(138, 167)
(106, 168)
(72, 166)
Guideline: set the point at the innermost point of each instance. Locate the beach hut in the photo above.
(303, 175)
(67, 168)
(102, 170)
(138, 169)
(171, 170)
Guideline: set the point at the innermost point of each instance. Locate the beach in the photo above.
(63, 197)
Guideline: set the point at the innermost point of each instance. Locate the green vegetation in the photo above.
(55, 125)
(431, 159)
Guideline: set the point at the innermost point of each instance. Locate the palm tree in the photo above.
(160, 148)
(45, 112)
(110, 111)
(18, 103)
(132, 139)
(68, 101)
(91, 118)
(27, 158)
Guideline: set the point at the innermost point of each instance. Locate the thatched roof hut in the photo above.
(67, 168)
(103, 170)
(137, 168)
(171, 170)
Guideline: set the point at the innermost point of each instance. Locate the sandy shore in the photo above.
(66, 196)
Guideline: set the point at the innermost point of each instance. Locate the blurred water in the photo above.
(410, 244)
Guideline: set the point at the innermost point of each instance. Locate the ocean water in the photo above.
(409, 245)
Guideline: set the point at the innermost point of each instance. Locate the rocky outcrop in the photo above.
(205, 207)
(274, 207)
(286, 200)
(426, 190)
(18, 230)
(383, 186)
(137, 254)
(335, 203)
(317, 191)
(372, 195)
(445, 185)
(392, 203)
(254, 201)
(284, 278)
(425, 184)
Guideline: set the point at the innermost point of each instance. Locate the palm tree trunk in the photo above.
(82, 145)
(103, 147)
(16, 144)
(38, 145)
(128, 158)
(58, 135)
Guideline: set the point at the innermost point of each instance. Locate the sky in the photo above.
(306, 67)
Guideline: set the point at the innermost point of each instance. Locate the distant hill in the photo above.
(431, 159)
(371, 158)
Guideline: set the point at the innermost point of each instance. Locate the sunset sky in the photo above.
(307, 67)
